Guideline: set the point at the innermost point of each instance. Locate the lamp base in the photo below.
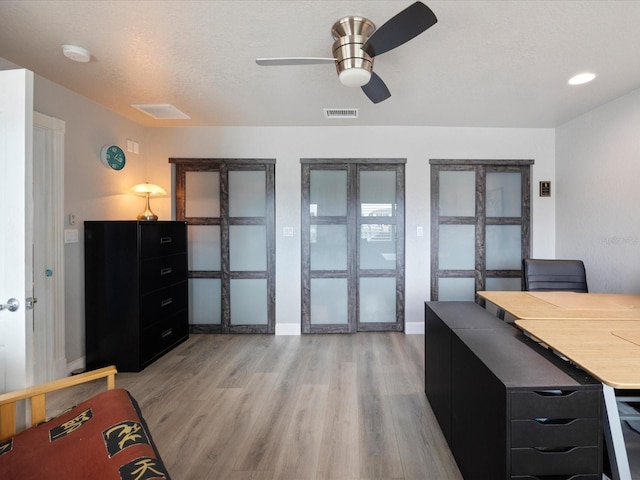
(148, 216)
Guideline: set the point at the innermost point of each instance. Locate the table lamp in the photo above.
(147, 190)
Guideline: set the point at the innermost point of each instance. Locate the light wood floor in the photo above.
(316, 407)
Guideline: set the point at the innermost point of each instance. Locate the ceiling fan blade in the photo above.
(294, 61)
(376, 89)
(407, 24)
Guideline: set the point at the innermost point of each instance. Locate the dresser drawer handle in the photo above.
(165, 271)
(166, 240)
(165, 302)
(166, 333)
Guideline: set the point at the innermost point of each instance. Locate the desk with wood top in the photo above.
(566, 305)
(598, 332)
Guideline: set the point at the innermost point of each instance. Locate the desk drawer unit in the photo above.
(136, 291)
(556, 432)
(515, 410)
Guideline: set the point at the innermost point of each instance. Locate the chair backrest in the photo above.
(548, 275)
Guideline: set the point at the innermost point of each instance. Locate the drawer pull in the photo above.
(555, 393)
(166, 301)
(166, 333)
(165, 271)
(164, 240)
(552, 450)
(554, 421)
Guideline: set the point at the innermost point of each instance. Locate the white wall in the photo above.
(416, 144)
(598, 194)
(92, 192)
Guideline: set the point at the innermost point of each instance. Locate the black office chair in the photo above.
(549, 275)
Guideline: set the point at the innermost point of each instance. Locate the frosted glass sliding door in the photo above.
(229, 205)
(480, 225)
(352, 245)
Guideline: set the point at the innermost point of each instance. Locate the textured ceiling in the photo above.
(499, 63)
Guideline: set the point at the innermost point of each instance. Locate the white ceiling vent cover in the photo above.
(161, 111)
(340, 113)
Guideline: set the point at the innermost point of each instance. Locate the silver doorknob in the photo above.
(11, 305)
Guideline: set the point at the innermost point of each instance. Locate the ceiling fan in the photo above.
(358, 42)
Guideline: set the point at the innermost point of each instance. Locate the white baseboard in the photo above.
(75, 365)
(411, 328)
(288, 329)
(414, 328)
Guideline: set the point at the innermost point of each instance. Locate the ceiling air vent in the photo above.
(340, 113)
(161, 111)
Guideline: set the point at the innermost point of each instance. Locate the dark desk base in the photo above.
(507, 407)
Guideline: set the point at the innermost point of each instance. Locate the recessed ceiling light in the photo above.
(76, 53)
(581, 78)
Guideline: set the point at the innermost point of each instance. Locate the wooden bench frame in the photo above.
(37, 396)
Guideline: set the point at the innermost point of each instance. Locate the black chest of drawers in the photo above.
(136, 292)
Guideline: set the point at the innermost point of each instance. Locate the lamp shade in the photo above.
(143, 189)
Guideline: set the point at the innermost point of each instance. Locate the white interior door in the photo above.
(48, 252)
(16, 277)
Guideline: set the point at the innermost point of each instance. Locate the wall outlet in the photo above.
(287, 232)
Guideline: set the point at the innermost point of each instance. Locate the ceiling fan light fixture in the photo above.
(355, 77)
(357, 42)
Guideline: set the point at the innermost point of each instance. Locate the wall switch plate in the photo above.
(133, 146)
(545, 188)
(419, 232)
(70, 235)
(287, 232)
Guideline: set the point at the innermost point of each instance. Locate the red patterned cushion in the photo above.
(100, 439)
